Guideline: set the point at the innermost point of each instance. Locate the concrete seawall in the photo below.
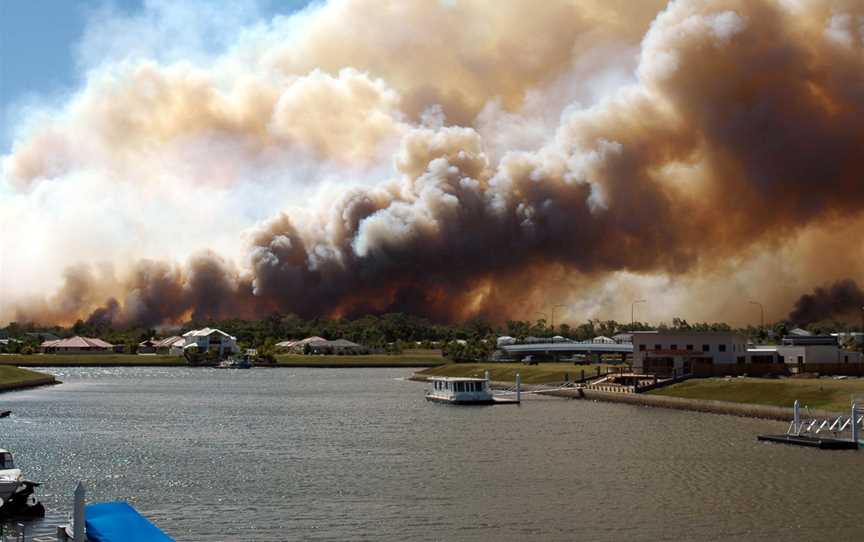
(746, 410)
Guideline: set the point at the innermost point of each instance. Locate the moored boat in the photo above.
(460, 391)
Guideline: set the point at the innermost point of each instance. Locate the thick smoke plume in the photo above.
(843, 299)
(462, 160)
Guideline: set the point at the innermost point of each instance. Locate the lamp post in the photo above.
(633, 312)
(762, 315)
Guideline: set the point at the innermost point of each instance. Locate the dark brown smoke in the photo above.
(743, 130)
(843, 300)
(759, 105)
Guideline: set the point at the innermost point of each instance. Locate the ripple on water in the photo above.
(313, 454)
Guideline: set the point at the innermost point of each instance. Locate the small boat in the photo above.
(232, 363)
(17, 497)
(461, 391)
(5, 413)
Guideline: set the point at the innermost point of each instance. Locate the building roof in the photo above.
(206, 332)
(161, 343)
(77, 342)
(308, 340)
(344, 343)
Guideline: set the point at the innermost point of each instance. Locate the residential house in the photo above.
(208, 339)
(162, 346)
(79, 345)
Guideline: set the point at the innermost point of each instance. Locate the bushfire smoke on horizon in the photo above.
(449, 159)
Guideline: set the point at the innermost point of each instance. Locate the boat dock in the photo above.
(813, 432)
(95, 522)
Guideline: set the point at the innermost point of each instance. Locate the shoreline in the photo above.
(708, 406)
(278, 365)
(22, 379)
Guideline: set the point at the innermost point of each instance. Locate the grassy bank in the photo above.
(91, 360)
(821, 393)
(543, 373)
(13, 378)
(408, 358)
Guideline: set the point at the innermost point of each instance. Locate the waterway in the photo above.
(358, 454)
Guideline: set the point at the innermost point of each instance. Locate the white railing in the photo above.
(853, 422)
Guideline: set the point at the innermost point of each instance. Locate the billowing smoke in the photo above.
(461, 159)
(842, 300)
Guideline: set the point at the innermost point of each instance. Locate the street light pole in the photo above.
(762, 313)
(633, 312)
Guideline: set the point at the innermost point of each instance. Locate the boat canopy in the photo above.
(119, 522)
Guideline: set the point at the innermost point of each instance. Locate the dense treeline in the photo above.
(381, 332)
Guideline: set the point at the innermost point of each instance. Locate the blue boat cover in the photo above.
(119, 522)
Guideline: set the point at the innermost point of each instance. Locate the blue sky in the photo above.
(37, 44)
(39, 39)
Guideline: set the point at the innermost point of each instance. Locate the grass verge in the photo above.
(408, 358)
(13, 378)
(543, 373)
(92, 360)
(817, 393)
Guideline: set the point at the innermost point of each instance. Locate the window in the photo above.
(674, 347)
(706, 347)
(722, 348)
(800, 359)
(689, 347)
(641, 347)
(845, 359)
(741, 360)
(656, 347)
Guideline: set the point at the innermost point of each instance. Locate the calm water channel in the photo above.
(357, 454)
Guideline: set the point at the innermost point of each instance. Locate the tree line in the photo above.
(389, 332)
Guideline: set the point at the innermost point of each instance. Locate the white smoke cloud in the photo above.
(399, 150)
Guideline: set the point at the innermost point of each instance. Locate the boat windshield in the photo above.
(6, 461)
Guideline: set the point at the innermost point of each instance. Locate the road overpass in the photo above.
(552, 351)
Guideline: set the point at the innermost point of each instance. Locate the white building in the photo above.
(210, 339)
(665, 352)
(814, 349)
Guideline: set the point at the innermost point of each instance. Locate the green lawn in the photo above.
(543, 373)
(817, 393)
(12, 377)
(408, 358)
(66, 360)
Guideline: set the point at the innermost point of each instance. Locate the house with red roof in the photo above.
(79, 345)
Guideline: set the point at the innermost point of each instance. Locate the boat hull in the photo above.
(22, 503)
(478, 402)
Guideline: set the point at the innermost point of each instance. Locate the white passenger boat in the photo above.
(460, 391)
(467, 391)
